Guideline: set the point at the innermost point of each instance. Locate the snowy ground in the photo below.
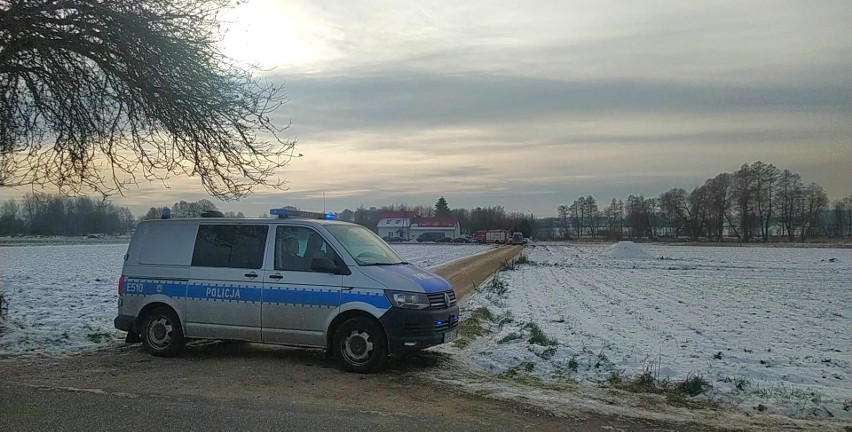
(434, 254)
(769, 328)
(63, 299)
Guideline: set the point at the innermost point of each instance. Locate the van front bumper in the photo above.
(412, 330)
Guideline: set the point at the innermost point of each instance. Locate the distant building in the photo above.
(396, 224)
(448, 226)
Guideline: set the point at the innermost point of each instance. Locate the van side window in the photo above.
(235, 246)
(296, 247)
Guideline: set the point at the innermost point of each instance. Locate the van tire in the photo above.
(360, 345)
(162, 334)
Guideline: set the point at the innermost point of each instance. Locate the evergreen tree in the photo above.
(441, 208)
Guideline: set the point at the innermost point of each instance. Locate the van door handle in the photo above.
(276, 276)
(251, 275)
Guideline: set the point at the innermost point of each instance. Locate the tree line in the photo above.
(60, 215)
(754, 203)
(470, 220)
(189, 209)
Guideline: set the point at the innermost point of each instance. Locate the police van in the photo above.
(303, 279)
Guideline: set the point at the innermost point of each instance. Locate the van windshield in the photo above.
(364, 245)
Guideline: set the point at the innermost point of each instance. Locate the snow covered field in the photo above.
(769, 328)
(63, 298)
(434, 254)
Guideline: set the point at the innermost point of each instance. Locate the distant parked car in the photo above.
(444, 240)
(462, 240)
(430, 236)
(517, 238)
(393, 239)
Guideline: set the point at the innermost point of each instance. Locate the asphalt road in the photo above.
(33, 408)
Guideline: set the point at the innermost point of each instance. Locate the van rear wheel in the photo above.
(161, 333)
(360, 345)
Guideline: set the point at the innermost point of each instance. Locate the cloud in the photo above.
(533, 104)
(394, 99)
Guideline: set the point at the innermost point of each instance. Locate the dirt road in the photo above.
(468, 273)
(228, 386)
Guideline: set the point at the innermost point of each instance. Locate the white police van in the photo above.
(300, 280)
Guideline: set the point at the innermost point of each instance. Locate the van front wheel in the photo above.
(162, 334)
(360, 345)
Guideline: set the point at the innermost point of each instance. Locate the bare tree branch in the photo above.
(94, 94)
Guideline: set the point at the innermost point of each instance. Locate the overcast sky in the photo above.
(531, 104)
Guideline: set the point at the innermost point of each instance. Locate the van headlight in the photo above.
(408, 300)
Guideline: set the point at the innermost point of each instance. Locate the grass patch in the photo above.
(614, 378)
(548, 353)
(473, 326)
(693, 385)
(507, 266)
(603, 362)
(505, 319)
(676, 392)
(740, 383)
(481, 313)
(462, 342)
(510, 337)
(98, 337)
(538, 337)
(572, 364)
(497, 285)
(518, 369)
(644, 383)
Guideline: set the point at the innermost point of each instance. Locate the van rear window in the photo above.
(234, 246)
(166, 244)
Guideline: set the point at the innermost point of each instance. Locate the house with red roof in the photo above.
(396, 224)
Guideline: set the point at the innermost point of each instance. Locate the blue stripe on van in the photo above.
(250, 294)
(300, 297)
(378, 300)
(224, 292)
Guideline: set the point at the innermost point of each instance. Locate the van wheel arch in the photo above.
(140, 317)
(161, 330)
(342, 318)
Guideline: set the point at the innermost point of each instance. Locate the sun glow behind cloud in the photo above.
(274, 34)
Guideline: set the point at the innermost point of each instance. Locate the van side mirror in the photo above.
(325, 265)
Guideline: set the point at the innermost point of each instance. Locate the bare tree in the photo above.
(614, 213)
(153, 213)
(592, 214)
(674, 208)
(743, 185)
(814, 200)
(719, 204)
(95, 93)
(847, 210)
(563, 211)
(789, 193)
(578, 213)
(765, 178)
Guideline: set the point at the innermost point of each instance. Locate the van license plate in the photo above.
(451, 335)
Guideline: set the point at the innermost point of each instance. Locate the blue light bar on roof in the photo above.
(293, 213)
